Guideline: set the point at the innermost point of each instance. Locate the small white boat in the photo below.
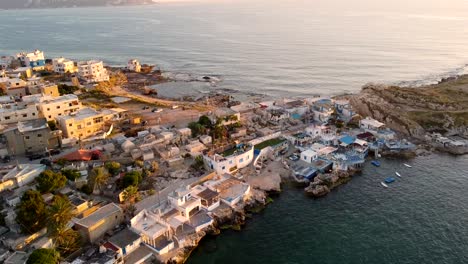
(407, 165)
(398, 174)
(384, 185)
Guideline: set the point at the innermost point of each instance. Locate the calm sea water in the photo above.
(272, 47)
(421, 218)
(289, 48)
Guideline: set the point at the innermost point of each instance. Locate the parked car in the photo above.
(36, 156)
(156, 110)
(294, 157)
(54, 152)
(46, 162)
(6, 159)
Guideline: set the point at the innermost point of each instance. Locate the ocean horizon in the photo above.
(271, 48)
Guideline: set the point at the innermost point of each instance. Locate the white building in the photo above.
(134, 65)
(370, 124)
(20, 175)
(18, 112)
(62, 66)
(230, 161)
(153, 231)
(309, 155)
(34, 59)
(92, 71)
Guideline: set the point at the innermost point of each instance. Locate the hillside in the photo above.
(15, 4)
(439, 108)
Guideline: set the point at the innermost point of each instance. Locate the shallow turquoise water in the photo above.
(421, 218)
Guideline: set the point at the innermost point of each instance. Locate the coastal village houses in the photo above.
(62, 66)
(34, 59)
(92, 71)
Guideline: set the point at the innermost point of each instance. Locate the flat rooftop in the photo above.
(124, 238)
(32, 125)
(99, 214)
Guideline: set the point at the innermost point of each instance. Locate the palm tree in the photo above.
(130, 194)
(100, 176)
(61, 211)
(59, 215)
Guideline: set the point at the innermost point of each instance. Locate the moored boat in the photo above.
(398, 174)
(389, 180)
(375, 163)
(407, 165)
(384, 185)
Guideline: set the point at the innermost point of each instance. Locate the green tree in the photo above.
(71, 174)
(154, 166)
(31, 212)
(49, 181)
(99, 178)
(197, 129)
(113, 167)
(67, 89)
(59, 215)
(132, 178)
(205, 121)
(43, 256)
(131, 194)
(60, 212)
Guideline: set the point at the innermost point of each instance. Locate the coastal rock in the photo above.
(415, 111)
(317, 190)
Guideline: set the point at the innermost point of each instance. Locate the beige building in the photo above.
(16, 87)
(95, 225)
(62, 66)
(54, 107)
(92, 71)
(87, 122)
(31, 137)
(44, 89)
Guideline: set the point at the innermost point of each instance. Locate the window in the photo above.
(48, 109)
(71, 124)
(7, 118)
(39, 135)
(34, 114)
(26, 137)
(241, 160)
(69, 104)
(50, 116)
(58, 106)
(88, 124)
(25, 115)
(224, 167)
(78, 126)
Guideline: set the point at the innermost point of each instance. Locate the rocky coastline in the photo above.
(421, 113)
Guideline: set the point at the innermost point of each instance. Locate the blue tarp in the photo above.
(296, 116)
(348, 140)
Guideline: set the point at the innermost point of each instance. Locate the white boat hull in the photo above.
(409, 166)
(384, 185)
(398, 174)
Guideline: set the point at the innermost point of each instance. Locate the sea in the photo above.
(269, 47)
(296, 48)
